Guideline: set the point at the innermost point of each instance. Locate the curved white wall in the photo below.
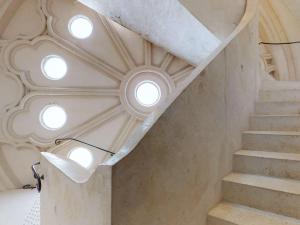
(165, 23)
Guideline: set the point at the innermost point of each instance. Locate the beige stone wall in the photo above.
(174, 174)
(74, 201)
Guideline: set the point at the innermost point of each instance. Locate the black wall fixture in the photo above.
(37, 177)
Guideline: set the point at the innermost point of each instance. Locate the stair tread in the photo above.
(243, 215)
(277, 107)
(265, 182)
(276, 115)
(270, 155)
(288, 133)
(281, 89)
(280, 85)
(278, 102)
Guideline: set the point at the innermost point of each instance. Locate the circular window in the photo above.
(82, 156)
(53, 117)
(80, 27)
(54, 67)
(147, 93)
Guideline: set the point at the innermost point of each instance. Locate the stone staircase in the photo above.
(264, 187)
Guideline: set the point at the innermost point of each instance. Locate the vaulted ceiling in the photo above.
(97, 92)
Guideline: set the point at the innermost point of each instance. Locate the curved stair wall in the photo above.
(167, 24)
(173, 174)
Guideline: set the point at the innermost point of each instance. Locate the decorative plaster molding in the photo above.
(19, 146)
(18, 92)
(36, 138)
(159, 67)
(182, 73)
(8, 11)
(51, 20)
(132, 78)
(118, 43)
(11, 50)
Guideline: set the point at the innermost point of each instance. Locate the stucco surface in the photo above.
(174, 174)
(69, 203)
(167, 24)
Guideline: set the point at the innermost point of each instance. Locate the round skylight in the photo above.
(53, 117)
(147, 93)
(80, 27)
(82, 156)
(54, 67)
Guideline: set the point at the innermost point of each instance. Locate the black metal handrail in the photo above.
(60, 140)
(279, 43)
(37, 176)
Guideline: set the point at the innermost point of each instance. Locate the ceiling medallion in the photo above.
(144, 88)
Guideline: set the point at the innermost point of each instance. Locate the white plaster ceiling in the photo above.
(92, 93)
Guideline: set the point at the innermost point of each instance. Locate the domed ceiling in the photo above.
(99, 91)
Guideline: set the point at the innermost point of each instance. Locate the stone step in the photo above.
(277, 195)
(277, 141)
(227, 213)
(280, 95)
(275, 164)
(277, 108)
(275, 122)
(280, 85)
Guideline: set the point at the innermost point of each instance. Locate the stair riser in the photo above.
(269, 142)
(283, 95)
(267, 167)
(287, 123)
(271, 108)
(274, 201)
(216, 221)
